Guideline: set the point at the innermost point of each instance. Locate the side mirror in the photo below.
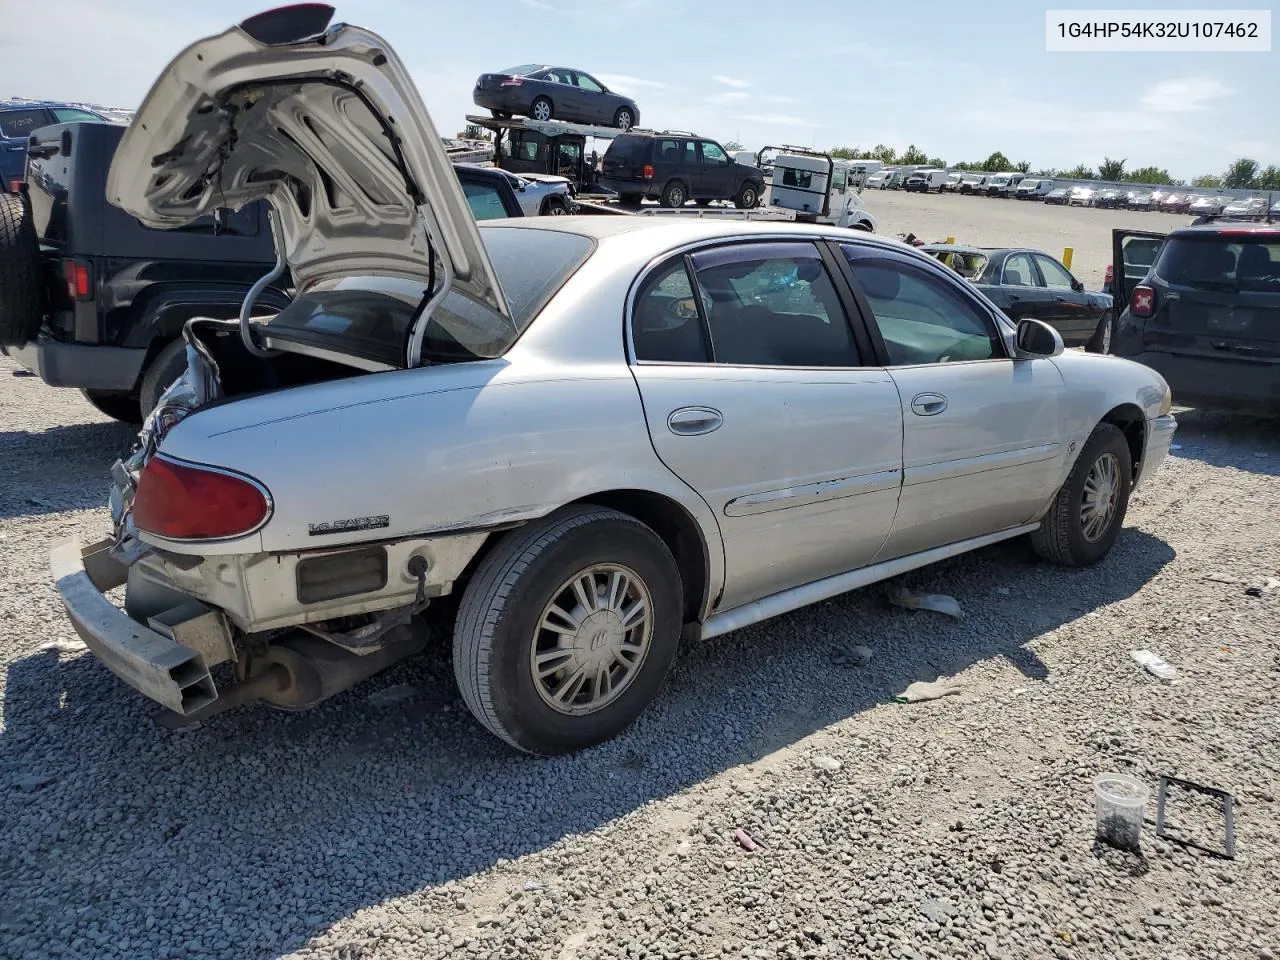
(1036, 339)
(1076, 285)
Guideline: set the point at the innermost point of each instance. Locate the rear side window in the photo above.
(1222, 263)
(20, 123)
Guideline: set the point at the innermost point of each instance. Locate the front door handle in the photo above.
(928, 404)
(692, 421)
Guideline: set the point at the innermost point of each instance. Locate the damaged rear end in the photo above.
(224, 602)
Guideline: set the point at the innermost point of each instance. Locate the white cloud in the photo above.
(776, 98)
(1184, 95)
(623, 83)
(731, 81)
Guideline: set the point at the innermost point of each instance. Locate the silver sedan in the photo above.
(571, 444)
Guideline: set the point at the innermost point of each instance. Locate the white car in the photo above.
(448, 410)
(1081, 197)
(543, 194)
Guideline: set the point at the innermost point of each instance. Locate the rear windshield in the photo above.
(20, 123)
(1215, 262)
(627, 148)
(531, 266)
(522, 70)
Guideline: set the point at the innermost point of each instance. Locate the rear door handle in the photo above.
(693, 421)
(928, 404)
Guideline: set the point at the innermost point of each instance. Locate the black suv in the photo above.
(676, 168)
(1206, 313)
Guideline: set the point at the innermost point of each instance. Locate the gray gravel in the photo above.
(387, 824)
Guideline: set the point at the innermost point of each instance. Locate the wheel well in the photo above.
(678, 531)
(1133, 424)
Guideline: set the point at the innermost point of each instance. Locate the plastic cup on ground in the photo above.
(1119, 803)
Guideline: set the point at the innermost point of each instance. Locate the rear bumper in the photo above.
(1229, 384)
(167, 672)
(639, 188)
(89, 367)
(490, 100)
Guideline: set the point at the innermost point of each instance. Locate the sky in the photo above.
(957, 81)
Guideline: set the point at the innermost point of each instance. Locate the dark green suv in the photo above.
(676, 168)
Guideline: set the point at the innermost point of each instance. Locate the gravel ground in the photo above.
(387, 824)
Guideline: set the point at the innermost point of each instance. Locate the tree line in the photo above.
(1244, 173)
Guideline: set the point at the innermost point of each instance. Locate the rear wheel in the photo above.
(567, 630)
(555, 207)
(748, 196)
(21, 279)
(118, 406)
(1100, 342)
(1086, 516)
(674, 195)
(541, 109)
(167, 367)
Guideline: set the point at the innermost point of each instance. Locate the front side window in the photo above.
(1018, 271)
(1055, 275)
(921, 317)
(586, 83)
(711, 153)
(485, 201)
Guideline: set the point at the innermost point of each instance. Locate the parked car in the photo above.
(1175, 203)
(972, 183)
(94, 299)
(403, 474)
(491, 193)
(953, 183)
(675, 168)
(561, 93)
(539, 194)
(1110, 199)
(1206, 313)
(1206, 206)
(1058, 196)
(1140, 200)
(880, 180)
(21, 118)
(1252, 208)
(1033, 189)
(1031, 284)
(1080, 197)
(925, 181)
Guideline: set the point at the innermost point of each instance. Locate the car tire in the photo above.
(118, 406)
(864, 226)
(555, 207)
(499, 639)
(748, 196)
(624, 119)
(1100, 342)
(1075, 532)
(21, 276)
(674, 195)
(542, 109)
(166, 367)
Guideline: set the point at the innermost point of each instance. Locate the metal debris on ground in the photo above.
(827, 764)
(1226, 805)
(745, 841)
(923, 690)
(1153, 664)
(846, 655)
(937, 602)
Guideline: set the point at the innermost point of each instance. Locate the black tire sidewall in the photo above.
(667, 191)
(22, 292)
(165, 368)
(741, 200)
(118, 406)
(525, 717)
(533, 108)
(1109, 440)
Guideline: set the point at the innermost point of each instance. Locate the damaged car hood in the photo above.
(324, 122)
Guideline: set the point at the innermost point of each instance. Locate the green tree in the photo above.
(1241, 174)
(1207, 180)
(1151, 175)
(937, 162)
(996, 162)
(1047, 173)
(914, 155)
(844, 153)
(1023, 167)
(1269, 179)
(1081, 172)
(883, 153)
(1111, 169)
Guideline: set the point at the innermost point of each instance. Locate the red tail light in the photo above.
(77, 275)
(512, 82)
(1109, 275)
(15, 186)
(647, 171)
(1143, 302)
(181, 501)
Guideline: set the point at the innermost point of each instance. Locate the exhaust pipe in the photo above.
(301, 670)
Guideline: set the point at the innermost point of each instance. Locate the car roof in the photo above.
(1234, 227)
(7, 105)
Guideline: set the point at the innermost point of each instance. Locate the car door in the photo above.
(1072, 310)
(1022, 289)
(16, 127)
(556, 85)
(717, 172)
(753, 386)
(983, 448)
(596, 105)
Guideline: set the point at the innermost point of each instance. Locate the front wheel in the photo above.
(567, 630)
(1086, 516)
(555, 207)
(117, 406)
(748, 197)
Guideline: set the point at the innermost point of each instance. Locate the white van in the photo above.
(926, 180)
(1034, 189)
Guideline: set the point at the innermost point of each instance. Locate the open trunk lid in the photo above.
(324, 122)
